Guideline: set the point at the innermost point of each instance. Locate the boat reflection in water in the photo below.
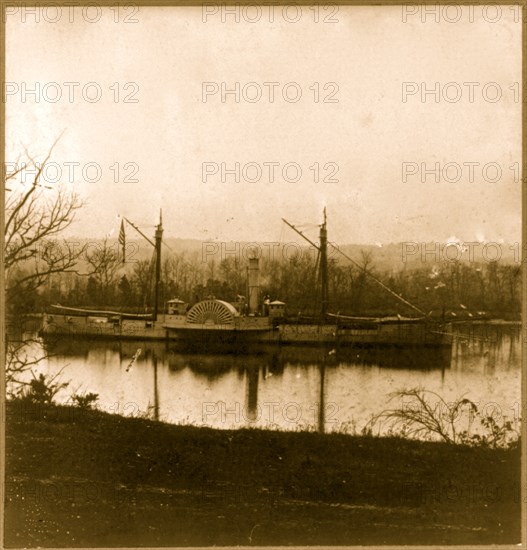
(289, 388)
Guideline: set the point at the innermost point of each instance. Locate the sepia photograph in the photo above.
(262, 274)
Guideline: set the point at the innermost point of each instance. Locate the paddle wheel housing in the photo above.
(212, 312)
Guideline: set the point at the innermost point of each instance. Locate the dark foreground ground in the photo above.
(79, 478)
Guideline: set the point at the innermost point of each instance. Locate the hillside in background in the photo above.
(386, 257)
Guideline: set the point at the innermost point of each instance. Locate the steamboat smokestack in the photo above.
(254, 289)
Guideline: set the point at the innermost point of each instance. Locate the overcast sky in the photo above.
(361, 62)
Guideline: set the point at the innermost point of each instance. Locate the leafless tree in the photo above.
(105, 263)
(20, 358)
(35, 216)
(142, 280)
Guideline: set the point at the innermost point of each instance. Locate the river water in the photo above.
(289, 388)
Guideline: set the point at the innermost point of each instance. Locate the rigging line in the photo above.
(316, 266)
(378, 281)
(360, 267)
(139, 231)
(318, 292)
(151, 272)
(171, 249)
(316, 277)
(181, 259)
(306, 226)
(301, 234)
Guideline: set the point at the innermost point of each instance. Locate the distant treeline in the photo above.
(453, 288)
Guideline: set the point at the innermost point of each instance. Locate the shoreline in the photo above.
(86, 478)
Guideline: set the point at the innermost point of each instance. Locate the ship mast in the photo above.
(322, 248)
(158, 238)
(323, 252)
(324, 265)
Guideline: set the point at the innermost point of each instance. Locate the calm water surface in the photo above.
(286, 388)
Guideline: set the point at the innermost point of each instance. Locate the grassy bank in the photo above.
(78, 478)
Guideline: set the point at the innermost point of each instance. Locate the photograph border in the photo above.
(197, 3)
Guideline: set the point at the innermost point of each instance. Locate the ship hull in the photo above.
(101, 327)
(372, 334)
(219, 336)
(365, 334)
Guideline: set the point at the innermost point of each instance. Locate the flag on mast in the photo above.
(122, 240)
